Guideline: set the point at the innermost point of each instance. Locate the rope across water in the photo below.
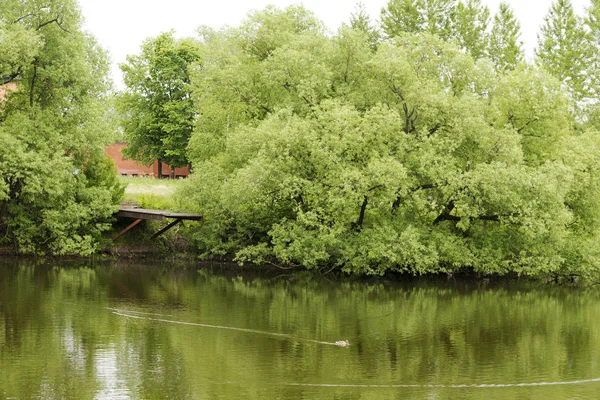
(132, 314)
(449, 386)
(153, 317)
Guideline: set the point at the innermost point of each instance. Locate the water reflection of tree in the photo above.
(55, 322)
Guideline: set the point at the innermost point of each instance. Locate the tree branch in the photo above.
(22, 18)
(397, 92)
(363, 208)
(347, 71)
(409, 115)
(398, 200)
(375, 187)
(445, 215)
(526, 124)
(512, 120)
(43, 24)
(9, 78)
(265, 108)
(55, 20)
(435, 129)
(409, 125)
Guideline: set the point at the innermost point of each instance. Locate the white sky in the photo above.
(122, 25)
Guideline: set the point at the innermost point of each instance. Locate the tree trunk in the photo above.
(32, 88)
(361, 218)
(3, 215)
(172, 172)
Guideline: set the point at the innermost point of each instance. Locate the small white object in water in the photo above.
(342, 343)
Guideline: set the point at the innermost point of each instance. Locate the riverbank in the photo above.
(133, 255)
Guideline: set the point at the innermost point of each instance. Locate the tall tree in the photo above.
(57, 188)
(592, 21)
(432, 16)
(563, 48)
(505, 49)
(361, 21)
(469, 27)
(157, 106)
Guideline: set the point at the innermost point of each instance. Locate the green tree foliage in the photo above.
(234, 88)
(360, 20)
(592, 21)
(57, 188)
(414, 157)
(412, 16)
(563, 48)
(157, 108)
(466, 22)
(469, 26)
(505, 48)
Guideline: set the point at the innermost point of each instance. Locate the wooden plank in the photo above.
(134, 223)
(157, 215)
(190, 217)
(140, 213)
(166, 228)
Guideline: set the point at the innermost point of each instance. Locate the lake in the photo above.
(86, 330)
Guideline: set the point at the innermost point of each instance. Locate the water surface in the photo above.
(132, 331)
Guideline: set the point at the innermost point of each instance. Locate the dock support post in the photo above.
(134, 223)
(166, 228)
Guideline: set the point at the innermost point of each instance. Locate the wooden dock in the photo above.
(140, 214)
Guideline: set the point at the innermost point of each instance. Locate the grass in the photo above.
(158, 194)
(150, 192)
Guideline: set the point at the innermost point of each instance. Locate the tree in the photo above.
(412, 16)
(464, 21)
(361, 21)
(157, 106)
(505, 48)
(563, 48)
(469, 27)
(410, 158)
(592, 21)
(58, 190)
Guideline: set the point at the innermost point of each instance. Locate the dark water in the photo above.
(209, 332)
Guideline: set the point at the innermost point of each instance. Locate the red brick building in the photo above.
(5, 89)
(134, 168)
